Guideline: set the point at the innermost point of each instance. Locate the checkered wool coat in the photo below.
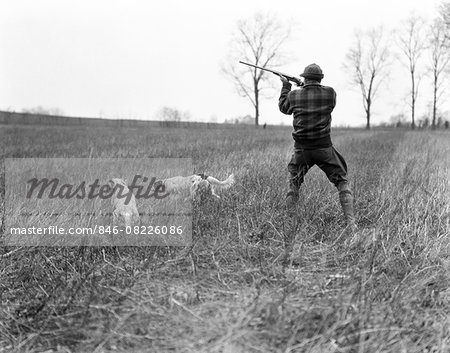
(312, 106)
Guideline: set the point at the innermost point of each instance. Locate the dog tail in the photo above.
(227, 183)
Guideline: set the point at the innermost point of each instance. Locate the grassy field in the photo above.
(254, 279)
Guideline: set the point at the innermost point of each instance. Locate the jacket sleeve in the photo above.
(283, 102)
(334, 98)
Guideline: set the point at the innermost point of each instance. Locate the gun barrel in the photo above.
(259, 67)
(289, 77)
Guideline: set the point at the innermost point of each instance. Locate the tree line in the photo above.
(421, 47)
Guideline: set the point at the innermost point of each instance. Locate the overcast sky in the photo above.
(127, 59)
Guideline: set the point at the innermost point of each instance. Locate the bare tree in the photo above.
(440, 58)
(368, 64)
(411, 42)
(258, 40)
(445, 16)
(172, 114)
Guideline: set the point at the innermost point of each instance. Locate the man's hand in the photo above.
(283, 79)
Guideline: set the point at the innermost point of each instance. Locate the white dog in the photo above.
(196, 185)
(123, 213)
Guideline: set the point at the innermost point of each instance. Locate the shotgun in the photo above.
(294, 79)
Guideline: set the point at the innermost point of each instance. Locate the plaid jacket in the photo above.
(312, 106)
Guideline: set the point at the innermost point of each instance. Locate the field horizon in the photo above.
(24, 118)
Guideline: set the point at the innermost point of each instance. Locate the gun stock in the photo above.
(291, 78)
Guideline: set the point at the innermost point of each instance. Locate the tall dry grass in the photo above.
(254, 279)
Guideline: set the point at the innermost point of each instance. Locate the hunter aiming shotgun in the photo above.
(294, 79)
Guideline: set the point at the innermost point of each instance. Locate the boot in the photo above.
(292, 195)
(346, 200)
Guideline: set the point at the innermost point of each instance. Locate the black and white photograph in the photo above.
(225, 177)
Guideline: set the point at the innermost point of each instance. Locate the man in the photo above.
(311, 106)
